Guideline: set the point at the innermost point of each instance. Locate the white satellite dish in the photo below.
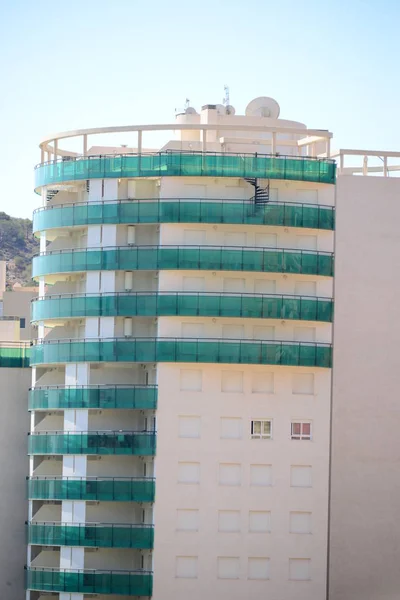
(190, 110)
(263, 107)
(222, 109)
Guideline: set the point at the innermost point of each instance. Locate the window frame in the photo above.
(301, 437)
(261, 435)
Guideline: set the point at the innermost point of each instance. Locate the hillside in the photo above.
(17, 246)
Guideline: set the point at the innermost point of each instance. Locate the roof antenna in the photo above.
(187, 103)
(226, 100)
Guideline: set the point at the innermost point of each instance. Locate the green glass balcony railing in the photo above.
(205, 350)
(104, 535)
(143, 397)
(125, 583)
(105, 489)
(182, 210)
(189, 164)
(202, 304)
(211, 258)
(141, 443)
(14, 355)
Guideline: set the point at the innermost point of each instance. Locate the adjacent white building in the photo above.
(181, 393)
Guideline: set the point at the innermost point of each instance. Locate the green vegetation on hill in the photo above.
(17, 246)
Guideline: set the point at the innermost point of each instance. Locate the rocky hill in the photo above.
(17, 246)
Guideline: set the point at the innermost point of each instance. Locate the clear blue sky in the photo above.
(88, 63)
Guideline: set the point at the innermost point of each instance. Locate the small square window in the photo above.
(22, 322)
(301, 430)
(261, 429)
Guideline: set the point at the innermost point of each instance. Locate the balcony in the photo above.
(211, 258)
(102, 489)
(141, 443)
(14, 355)
(133, 583)
(92, 535)
(187, 164)
(256, 352)
(151, 304)
(141, 397)
(182, 210)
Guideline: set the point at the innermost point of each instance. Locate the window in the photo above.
(232, 381)
(261, 430)
(299, 569)
(259, 521)
(228, 567)
(301, 430)
(303, 383)
(258, 568)
(230, 428)
(188, 472)
(261, 475)
(191, 380)
(229, 474)
(300, 522)
(186, 567)
(22, 323)
(262, 383)
(187, 519)
(301, 476)
(189, 427)
(228, 521)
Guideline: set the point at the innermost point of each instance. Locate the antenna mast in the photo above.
(226, 100)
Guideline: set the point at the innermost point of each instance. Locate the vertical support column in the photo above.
(365, 165)
(75, 420)
(139, 149)
(328, 147)
(204, 140)
(55, 145)
(139, 141)
(84, 150)
(273, 143)
(385, 167)
(341, 163)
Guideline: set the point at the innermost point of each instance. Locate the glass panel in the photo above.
(185, 211)
(175, 350)
(135, 583)
(177, 163)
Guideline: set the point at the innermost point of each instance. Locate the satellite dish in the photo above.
(190, 111)
(263, 107)
(222, 109)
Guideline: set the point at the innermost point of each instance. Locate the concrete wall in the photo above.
(365, 529)
(18, 304)
(204, 522)
(14, 425)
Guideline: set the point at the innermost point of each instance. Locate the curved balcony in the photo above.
(128, 583)
(139, 443)
(101, 489)
(167, 304)
(142, 397)
(181, 210)
(255, 352)
(208, 258)
(92, 535)
(188, 164)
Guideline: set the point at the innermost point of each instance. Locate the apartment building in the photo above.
(181, 401)
(15, 378)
